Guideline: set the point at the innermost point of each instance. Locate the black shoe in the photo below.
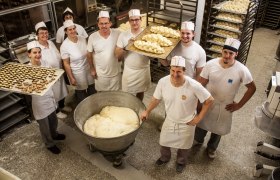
(60, 137)
(180, 168)
(54, 149)
(159, 162)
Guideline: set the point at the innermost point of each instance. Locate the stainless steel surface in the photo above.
(25, 7)
(93, 105)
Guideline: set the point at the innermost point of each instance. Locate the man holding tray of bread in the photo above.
(136, 77)
(193, 53)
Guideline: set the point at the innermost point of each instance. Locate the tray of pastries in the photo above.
(235, 6)
(28, 79)
(155, 41)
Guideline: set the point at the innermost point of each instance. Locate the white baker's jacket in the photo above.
(43, 106)
(52, 58)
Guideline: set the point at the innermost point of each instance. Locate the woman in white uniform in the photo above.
(44, 107)
(60, 34)
(51, 55)
(136, 77)
(222, 78)
(74, 55)
(180, 94)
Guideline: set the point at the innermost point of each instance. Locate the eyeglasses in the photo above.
(134, 20)
(43, 33)
(103, 24)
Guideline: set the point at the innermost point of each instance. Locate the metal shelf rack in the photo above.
(268, 14)
(13, 109)
(171, 11)
(211, 30)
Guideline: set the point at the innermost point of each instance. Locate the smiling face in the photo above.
(186, 35)
(177, 74)
(71, 31)
(104, 24)
(43, 35)
(228, 56)
(35, 56)
(135, 22)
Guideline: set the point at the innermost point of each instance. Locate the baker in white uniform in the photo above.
(105, 67)
(74, 55)
(60, 34)
(44, 107)
(193, 53)
(180, 94)
(51, 55)
(136, 77)
(222, 78)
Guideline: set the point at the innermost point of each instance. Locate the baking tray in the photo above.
(17, 72)
(220, 5)
(131, 47)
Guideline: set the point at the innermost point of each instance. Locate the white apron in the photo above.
(43, 106)
(83, 78)
(108, 83)
(60, 89)
(136, 80)
(217, 120)
(176, 135)
(52, 57)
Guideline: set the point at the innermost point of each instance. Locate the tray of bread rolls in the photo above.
(28, 79)
(155, 41)
(234, 6)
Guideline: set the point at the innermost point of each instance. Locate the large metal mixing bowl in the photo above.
(94, 104)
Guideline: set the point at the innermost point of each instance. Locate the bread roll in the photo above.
(149, 47)
(157, 38)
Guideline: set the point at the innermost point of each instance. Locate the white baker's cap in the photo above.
(232, 44)
(188, 25)
(39, 25)
(178, 61)
(32, 44)
(68, 23)
(134, 12)
(103, 14)
(68, 9)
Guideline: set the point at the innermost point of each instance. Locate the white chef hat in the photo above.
(68, 23)
(188, 25)
(68, 9)
(232, 44)
(178, 61)
(134, 12)
(39, 25)
(32, 44)
(103, 14)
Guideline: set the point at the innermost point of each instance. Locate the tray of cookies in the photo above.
(155, 42)
(28, 79)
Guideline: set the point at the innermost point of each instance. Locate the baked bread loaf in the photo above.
(165, 31)
(157, 38)
(149, 47)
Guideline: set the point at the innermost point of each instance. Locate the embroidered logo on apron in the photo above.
(184, 97)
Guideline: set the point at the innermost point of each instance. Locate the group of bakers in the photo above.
(199, 96)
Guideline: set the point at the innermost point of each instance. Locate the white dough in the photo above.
(112, 122)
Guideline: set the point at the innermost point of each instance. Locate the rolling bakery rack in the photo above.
(269, 14)
(223, 19)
